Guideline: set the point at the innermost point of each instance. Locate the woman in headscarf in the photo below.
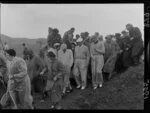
(55, 74)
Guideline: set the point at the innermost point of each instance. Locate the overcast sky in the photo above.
(33, 20)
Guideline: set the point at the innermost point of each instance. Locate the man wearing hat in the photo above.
(84, 35)
(68, 37)
(77, 37)
(53, 37)
(55, 71)
(66, 57)
(81, 64)
(137, 43)
(127, 50)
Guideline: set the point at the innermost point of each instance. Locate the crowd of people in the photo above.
(63, 58)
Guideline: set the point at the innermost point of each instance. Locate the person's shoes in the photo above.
(78, 86)
(100, 85)
(95, 87)
(68, 91)
(52, 107)
(82, 88)
(71, 90)
(34, 107)
(59, 107)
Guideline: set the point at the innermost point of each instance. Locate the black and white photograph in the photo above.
(72, 56)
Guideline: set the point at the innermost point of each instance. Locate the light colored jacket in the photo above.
(66, 58)
(18, 69)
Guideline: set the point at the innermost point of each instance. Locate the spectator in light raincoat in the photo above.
(19, 86)
(66, 57)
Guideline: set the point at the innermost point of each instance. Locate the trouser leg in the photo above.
(93, 72)
(83, 71)
(99, 78)
(76, 74)
(99, 65)
(67, 80)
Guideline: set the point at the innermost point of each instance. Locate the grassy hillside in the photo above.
(16, 43)
(122, 92)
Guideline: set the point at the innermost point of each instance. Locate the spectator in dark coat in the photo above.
(26, 52)
(68, 38)
(137, 43)
(127, 50)
(119, 61)
(35, 66)
(84, 35)
(53, 37)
